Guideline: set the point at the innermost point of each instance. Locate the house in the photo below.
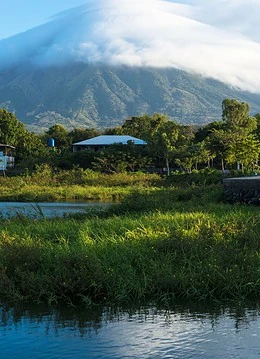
(101, 142)
(6, 157)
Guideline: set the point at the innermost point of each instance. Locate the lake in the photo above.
(202, 332)
(47, 209)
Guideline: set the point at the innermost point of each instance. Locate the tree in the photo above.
(191, 155)
(220, 141)
(204, 132)
(114, 131)
(257, 131)
(200, 153)
(235, 128)
(246, 152)
(239, 126)
(144, 127)
(164, 140)
(29, 147)
(236, 116)
(121, 158)
(81, 134)
(212, 136)
(11, 130)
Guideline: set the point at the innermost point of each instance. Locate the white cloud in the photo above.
(216, 38)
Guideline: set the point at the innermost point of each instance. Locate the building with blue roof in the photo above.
(103, 141)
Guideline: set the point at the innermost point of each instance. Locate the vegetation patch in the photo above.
(152, 247)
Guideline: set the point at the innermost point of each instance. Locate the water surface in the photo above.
(38, 332)
(47, 209)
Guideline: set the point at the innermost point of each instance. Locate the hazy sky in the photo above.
(21, 15)
(215, 38)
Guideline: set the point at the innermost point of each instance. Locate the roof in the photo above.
(109, 140)
(3, 145)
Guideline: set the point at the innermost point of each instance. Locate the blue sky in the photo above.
(20, 15)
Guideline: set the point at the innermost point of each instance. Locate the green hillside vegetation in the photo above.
(232, 143)
(81, 95)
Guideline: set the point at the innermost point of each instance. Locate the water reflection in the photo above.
(47, 209)
(147, 332)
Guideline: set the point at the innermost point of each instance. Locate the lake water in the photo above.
(190, 332)
(47, 209)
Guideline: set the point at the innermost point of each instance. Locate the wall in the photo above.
(242, 189)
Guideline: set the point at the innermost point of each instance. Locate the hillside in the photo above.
(80, 95)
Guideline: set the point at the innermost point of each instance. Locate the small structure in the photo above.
(101, 142)
(51, 142)
(242, 189)
(6, 157)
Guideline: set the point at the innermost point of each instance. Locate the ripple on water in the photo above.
(144, 334)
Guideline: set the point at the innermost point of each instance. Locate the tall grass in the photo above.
(46, 185)
(158, 245)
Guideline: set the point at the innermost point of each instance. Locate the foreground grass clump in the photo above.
(188, 248)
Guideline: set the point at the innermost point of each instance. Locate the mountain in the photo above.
(181, 58)
(81, 95)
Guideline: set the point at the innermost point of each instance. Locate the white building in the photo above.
(100, 142)
(6, 157)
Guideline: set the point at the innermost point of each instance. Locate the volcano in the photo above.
(98, 64)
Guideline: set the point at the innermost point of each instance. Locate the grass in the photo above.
(46, 186)
(37, 193)
(159, 244)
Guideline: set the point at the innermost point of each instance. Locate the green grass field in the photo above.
(161, 243)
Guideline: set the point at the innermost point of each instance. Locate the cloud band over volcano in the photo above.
(218, 39)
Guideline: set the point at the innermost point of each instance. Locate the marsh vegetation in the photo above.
(167, 239)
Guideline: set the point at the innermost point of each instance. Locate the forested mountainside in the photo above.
(81, 95)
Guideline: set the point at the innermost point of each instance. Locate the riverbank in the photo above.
(157, 245)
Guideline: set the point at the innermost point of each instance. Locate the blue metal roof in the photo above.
(106, 140)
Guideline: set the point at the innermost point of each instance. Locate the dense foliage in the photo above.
(232, 143)
(82, 95)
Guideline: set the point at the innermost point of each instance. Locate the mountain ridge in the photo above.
(84, 95)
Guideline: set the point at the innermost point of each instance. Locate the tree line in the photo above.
(230, 143)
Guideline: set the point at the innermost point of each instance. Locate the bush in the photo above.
(203, 177)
